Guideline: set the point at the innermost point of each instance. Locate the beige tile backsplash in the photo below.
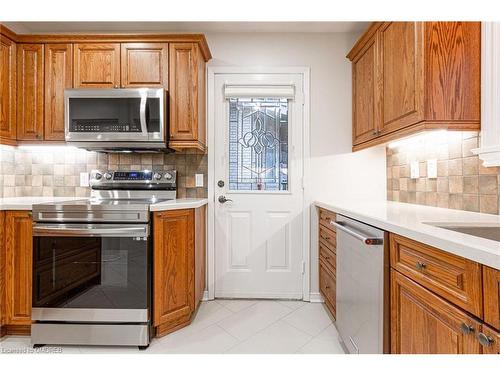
(55, 171)
(462, 182)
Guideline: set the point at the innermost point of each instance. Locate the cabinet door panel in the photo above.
(491, 287)
(364, 90)
(401, 69)
(58, 76)
(18, 267)
(423, 323)
(30, 91)
(97, 65)
(8, 89)
(174, 298)
(144, 64)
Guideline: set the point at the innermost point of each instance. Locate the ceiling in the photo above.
(173, 27)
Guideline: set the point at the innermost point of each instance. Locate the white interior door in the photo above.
(258, 169)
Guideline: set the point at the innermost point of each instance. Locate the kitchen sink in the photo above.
(490, 231)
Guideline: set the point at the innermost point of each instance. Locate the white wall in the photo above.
(336, 173)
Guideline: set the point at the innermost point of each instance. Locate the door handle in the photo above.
(223, 199)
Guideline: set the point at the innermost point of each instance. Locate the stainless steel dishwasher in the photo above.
(362, 277)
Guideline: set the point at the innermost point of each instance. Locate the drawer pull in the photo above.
(485, 340)
(327, 287)
(420, 266)
(466, 329)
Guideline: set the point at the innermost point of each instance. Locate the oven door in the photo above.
(114, 115)
(91, 272)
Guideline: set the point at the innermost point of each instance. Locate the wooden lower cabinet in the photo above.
(423, 323)
(178, 267)
(327, 248)
(491, 287)
(17, 259)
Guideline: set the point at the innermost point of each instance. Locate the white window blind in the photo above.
(259, 91)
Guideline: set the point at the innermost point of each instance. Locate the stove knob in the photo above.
(97, 176)
(157, 176)
(168, 176)
(108, 176)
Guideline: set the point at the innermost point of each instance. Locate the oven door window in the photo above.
(90, 272)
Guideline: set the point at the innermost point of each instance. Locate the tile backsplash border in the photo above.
(55, 171)
(462, 182)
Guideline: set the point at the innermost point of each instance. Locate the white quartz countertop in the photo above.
(26, 203)
(409, 220)
(177, 204)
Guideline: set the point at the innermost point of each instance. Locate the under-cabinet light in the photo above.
(418, 140)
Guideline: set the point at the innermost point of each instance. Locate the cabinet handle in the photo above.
(466, 329)
(420, 266)
(374, 132)
(485, 340)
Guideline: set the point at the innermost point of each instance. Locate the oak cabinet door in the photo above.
(491, 286)
(8, 89)
(18, 267)
(187, 96)
(58, 76)
(144, 65)
(96, 65)
(423, 323)
(173, 269)
(364, 94)
(401, 70)
(30, 91)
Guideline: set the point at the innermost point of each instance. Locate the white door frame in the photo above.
(211, 72)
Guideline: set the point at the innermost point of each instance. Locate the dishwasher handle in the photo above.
(366, 240)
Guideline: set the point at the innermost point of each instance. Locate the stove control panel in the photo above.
(145, 179)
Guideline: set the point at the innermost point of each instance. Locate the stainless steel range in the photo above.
(92, 261)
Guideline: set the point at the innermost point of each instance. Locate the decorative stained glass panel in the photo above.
(258, 144)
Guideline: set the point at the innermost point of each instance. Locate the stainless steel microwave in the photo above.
(116, 119)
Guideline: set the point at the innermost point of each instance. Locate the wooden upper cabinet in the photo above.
(96, 65)
(8, 91)
(18, 267)
(427, 76)
(401, 59)
(58, 76)
(423, 323)
(173, 268)
(364, 87)
(30, 91)
(491, 287)
(187, 96)
(144, 65)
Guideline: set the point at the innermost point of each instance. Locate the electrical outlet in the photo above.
(84, 179)
(414, 169)
(198, 179)
(432, 168)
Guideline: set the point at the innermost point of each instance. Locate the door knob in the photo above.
(485, 340)
(223, 199)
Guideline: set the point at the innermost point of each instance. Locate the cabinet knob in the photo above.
(466, 329)
(420, 266)
(485, 340)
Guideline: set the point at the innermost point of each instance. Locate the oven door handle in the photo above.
(44, 230)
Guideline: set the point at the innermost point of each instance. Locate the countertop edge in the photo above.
(178, 204)
(478, 255)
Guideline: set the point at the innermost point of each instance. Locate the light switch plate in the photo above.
(432, 169)
(198, 179)
(414, 169)
(84, 179)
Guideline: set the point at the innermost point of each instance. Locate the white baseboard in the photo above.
(316, 298)
(205, 296)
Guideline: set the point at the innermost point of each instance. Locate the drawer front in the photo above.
(491, 287)
(454, 278)
(327, 286)
(328, 238)
(328, 257)
(492, 346)
(325, 217)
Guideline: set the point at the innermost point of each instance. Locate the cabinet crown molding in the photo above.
(489, 150)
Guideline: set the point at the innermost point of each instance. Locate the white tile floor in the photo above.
(231, 326)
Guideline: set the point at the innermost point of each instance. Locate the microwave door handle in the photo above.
(142, 116)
